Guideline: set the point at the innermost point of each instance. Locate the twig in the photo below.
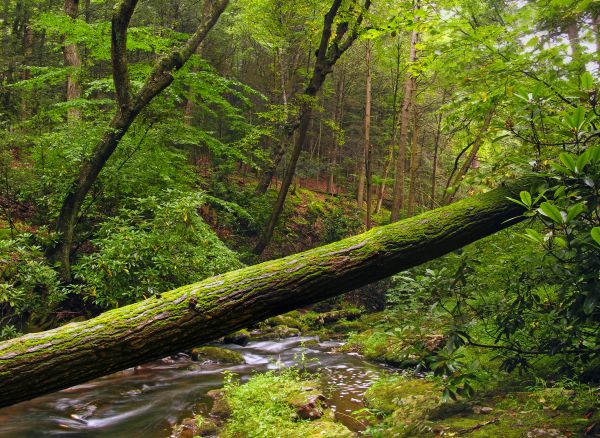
(478, 426)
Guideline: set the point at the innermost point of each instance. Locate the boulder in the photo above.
(217, 355)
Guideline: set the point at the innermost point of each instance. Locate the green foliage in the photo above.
(149, 248)
(340, 221)
(28, 284)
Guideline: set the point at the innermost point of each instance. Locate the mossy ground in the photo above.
(408, 407)
(388, 338)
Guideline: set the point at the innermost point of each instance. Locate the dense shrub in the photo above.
(153, 247)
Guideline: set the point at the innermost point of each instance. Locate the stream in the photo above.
(147, 401)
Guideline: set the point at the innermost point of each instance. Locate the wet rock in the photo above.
(311, 408)
(291, 320)
(282, 331)
(206, 426)
(277, 332)
(220, 408)
(482, 409)
(218, 355)
(193, 427)
(187, 429)
(240, 337)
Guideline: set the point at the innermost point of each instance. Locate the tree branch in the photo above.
(120, 22)
(161, 76)
(355, 31)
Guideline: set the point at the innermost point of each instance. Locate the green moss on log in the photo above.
(179, 320)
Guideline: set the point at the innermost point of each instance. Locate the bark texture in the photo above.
(367, 141)
(41, 363)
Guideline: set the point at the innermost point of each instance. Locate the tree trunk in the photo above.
(72, 60)
(415, 159)
(335, 140)
(436, 149)
(572, 31)
(267, 234)
(409, 90)
(596, 30)
(388, 163)
(279, 151)
(367, 138)
(41, 363)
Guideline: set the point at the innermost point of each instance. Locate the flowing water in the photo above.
(147, 401)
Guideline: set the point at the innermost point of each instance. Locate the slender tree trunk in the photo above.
(409, 91)
(286, 182)
(436, 148)
(390, 159)
(449, 197)
(575, 43)
(279, 151)
(335, 140)
(367, 138)
(165, 324)
(73, 62)
(596, 29)
(415, 158)
(269, 173)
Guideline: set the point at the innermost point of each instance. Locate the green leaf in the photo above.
(560, 169)
(587, 81)
(569, 161)
(575, 211)
(596, 234)
(551, 212)
(594, 154)
(533, 235)
(559, 241)
(526, 198)
(582, 161)
(579, 117)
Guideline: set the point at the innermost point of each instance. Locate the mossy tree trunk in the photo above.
(40, 363)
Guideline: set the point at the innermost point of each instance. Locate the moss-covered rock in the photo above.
(194, 427)
(217, 354)
(241, 337)
(291, 320)
(399, 348)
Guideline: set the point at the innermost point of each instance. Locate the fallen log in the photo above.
(41, 363)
